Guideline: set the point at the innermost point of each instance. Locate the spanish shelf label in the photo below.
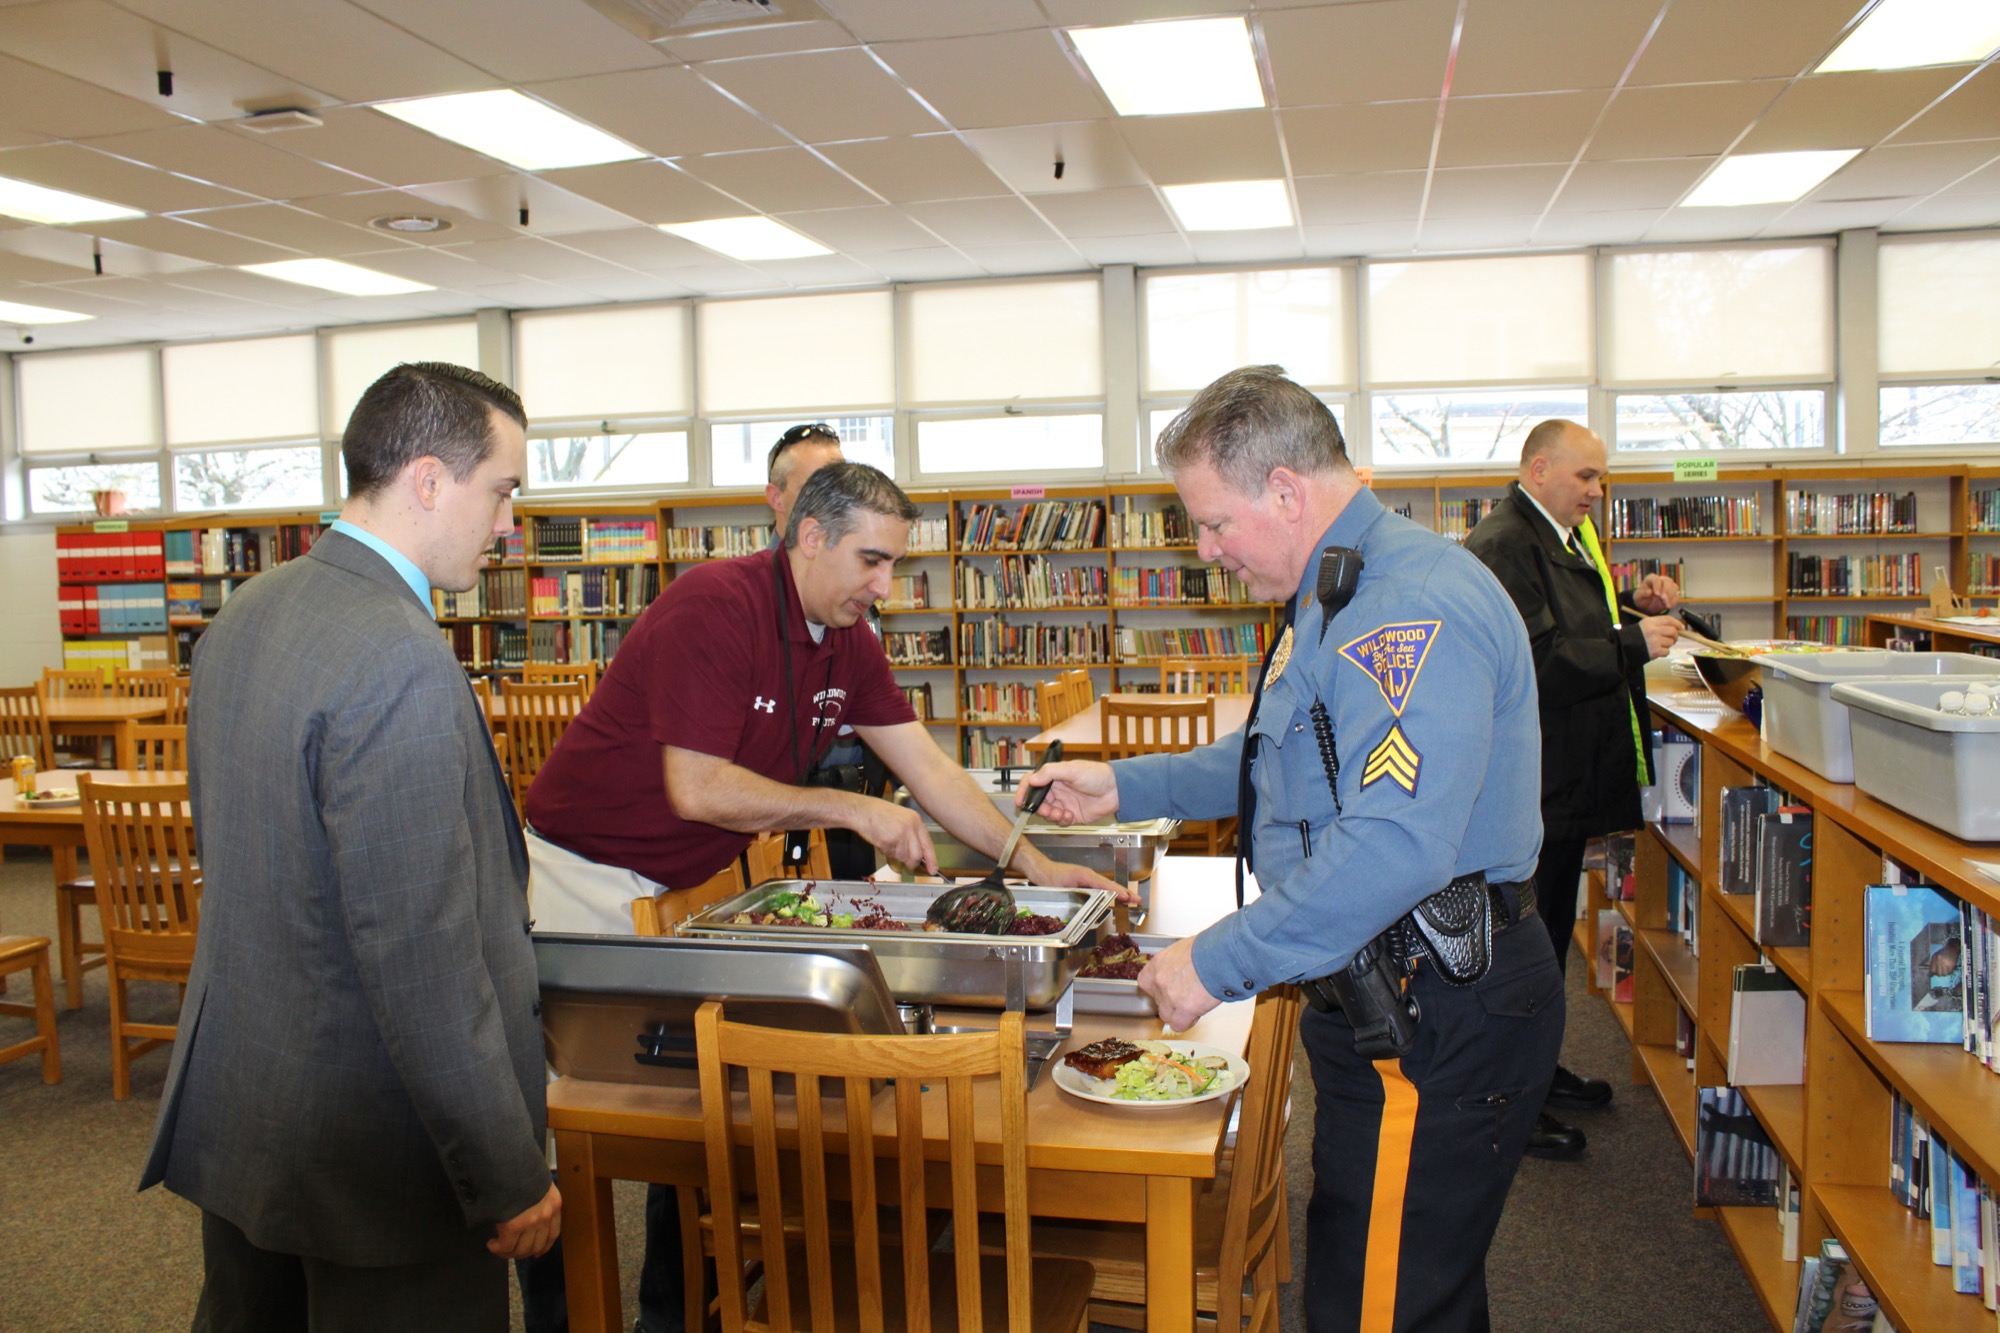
(1028, 492)
(328, 515)
(1694, 469)
(112, 525)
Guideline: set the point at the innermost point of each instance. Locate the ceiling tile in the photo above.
(1385, 136)
(1093, 153)
(644, 249)
(440, 266)
(66, 166)
(719, 276)
(1485, 232)
(552, 210)
(825, 96)
(1703, 40)
(1132, 211)
(1237, 247)
(295, 229)
(1211, 146)
(1603, 186)
(633, 287)
(184, 238)
(15, 138)
(1102, 13)
(1950, 209)
(29, 268)
(1523, 46)
(910, 20)
(774, 180)
(368, 143)
(822, 271)
(57, 245)
(929, 166)
(862, 231)
(1499, 131)
(983, 222)
(288, 296)
(1907, 172)
(234, 159)
(1820, 219)
(1163, 249)
(667, 112)
(1613, 227)
(1714, 224)
(548, 261)
(1853, 110)
(1014, 78)
(935, 264)
(347, 51)
(1008, 260)
(1362, 238)
(1359, 53)
(1680, 122)
(362, 207)
(702, 46)
(1326, 201)
(38, 101)
(520, 41)
(1500, 191)
(1970, 112)
(651, 192)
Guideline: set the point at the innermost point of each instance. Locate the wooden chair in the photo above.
(764, 858)
(829, 1280)
(550, 673)
(141, 840)
(1167, 725)
(21, 725)
(482, 690)
(1205, 675)
(537, 716)
(659, 913)
(61, 750)
(1053, 704)
(142, 684)
(177, 702)
(1082, 690)
(153, 748)
(30, 954)
(1242, 1229)
(74, 684)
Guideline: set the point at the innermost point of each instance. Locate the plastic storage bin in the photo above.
(1803, 722)
(1943, 769)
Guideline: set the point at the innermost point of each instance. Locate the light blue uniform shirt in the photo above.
(399, 562)
(1430, 689)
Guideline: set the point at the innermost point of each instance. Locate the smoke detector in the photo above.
(281, 118)
(409, 224)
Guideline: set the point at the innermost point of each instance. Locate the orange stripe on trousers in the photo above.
(1385, 1214)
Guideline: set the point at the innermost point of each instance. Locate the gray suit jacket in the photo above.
(359, 1074)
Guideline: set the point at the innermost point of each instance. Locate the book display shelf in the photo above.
(1833, 1131)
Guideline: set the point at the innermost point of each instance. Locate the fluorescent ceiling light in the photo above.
(747, 238)
(38, 203)
(334, 276)
(1767, 178)
(516, 129)
(13, 313)
(1164, 69)
(1230, 205)
(1907, 34)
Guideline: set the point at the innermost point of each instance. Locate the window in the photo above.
(275, 478)
(1480, 322)
(1778, 419)
(613, 458)
(1027, 444)
(738, 451)
(1159, 419)
(356, 358)
(252, 389)
(589, 365)
(1940, 414)
(1701, 318)
(797, 353)
(83, 402)
(53, 490)
(1199, 325)
(1002, 342)
(1417, 429)
(1938, 318)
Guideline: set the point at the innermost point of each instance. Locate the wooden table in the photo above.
(103, 717)
(1084, 1160)
(1083, 735)
(1946, 637)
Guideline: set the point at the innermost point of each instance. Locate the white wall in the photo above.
(30, 633)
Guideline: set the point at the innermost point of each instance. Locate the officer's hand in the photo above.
(1081, 791)
(1041, 869)
(1176, 987)
(1656, 595)
(897, 832)
(1660, 632)
(528, 1235)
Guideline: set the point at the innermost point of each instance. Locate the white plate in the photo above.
(63, 796)
(1079, 1084)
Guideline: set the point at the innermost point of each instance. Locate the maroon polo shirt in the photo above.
(703, 669)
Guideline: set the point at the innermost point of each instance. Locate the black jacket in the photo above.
(1590, 673)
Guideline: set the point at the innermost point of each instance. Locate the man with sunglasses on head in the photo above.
(799, 452)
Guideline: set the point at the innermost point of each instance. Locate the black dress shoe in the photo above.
(1574, 1092)
(1553, 1140)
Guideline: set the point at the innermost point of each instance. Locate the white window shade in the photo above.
(252, 390)
(797, 352)
(1938, 307)
(590, 365)
(86, 401)
(1759, 315)
(1199, 325)
(356, 358)
(1509, 320)
(996, 342)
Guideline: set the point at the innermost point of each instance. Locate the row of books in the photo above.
(109, 556)
(1626, 575)
(1219, 641)
(1132, 526)
(917, 647)
(289, 541)
(929, 536)
(574, 641)
(1767, 850)
(1177, 585)
(233, 550)
(1984, 515)
(1854, 575)
(1041, 525)
(1614, 954)
(608, 591)
(488, 647)
(920, 701)
(1833, 1296)
(1929, 1178)
(996, 643)
(1808, 514)
(608, 539)
(112, 608)
(1032, 581)
(718, 541)
(1687, 516)
(977, 749)
(1458, 517)
(1982, 575)
(501, 592)
(512, 548)
(1838, 631)
(909, 592)
(1932, 964)
(145, 653)
(997, 701)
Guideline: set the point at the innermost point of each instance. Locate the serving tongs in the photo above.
(986, 906)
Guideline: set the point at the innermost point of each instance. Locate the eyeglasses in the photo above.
(817, 428)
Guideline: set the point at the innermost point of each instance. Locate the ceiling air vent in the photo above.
(656, 20)
(281, 118)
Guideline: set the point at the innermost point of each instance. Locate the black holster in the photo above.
(1370, 992)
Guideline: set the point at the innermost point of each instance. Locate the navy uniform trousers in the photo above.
(1412, 1157)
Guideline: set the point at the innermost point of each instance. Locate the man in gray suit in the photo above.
(356, 1097)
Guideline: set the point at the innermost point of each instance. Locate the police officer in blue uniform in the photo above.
(1388, 788)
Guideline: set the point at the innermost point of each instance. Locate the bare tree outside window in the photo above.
(287, 477)
(614, 458)
(56, 489)
(1478, 427)
(1721, 422)
(1931, 414)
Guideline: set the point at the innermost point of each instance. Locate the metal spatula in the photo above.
(987, 906)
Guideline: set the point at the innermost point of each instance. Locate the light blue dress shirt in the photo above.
(399, 562)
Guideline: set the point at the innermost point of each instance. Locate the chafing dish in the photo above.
(936, 967)
(1112, 995)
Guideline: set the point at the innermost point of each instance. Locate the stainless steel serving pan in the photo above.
(937, 967)
(1111, 995)
(1123, 852)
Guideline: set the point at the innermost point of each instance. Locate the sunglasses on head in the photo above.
(817, 428)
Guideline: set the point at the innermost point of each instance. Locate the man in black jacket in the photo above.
(1589, 666)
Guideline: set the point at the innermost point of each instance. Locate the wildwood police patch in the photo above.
(1393, 656)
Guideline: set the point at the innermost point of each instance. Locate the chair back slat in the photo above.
(142, 856)
(537, 716)
(152, 748)
(143, 684)
(1205, 675)
(1257, 1176)
(21, 731)
(554, 673)
(1053, 704)
(1155, 726)
(177, 702)
(1082, 690)
(61, 684)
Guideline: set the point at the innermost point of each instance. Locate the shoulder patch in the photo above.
(1393, 657)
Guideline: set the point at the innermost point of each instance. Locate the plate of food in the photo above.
(1150, 1074)
(50, 796)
